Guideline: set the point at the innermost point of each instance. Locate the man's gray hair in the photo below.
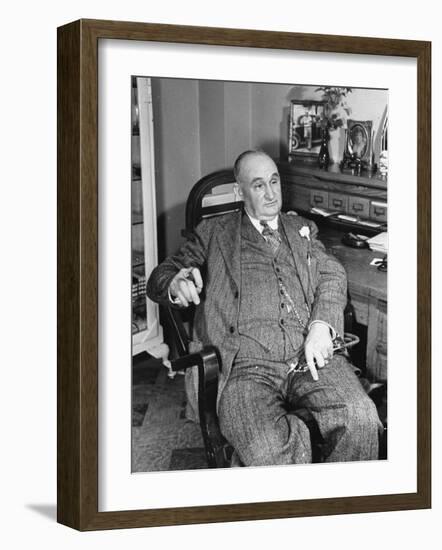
(242, 157)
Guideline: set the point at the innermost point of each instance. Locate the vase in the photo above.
(324, 156)
(336, 145)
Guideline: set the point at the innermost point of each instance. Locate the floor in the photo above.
(162, 439)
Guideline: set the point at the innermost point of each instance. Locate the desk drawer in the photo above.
(319, 198)
(338, 201)
(359, 206)
(378, 211)
(360, 305)
(377, 341)
(379, 371)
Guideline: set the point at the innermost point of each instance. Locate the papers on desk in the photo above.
(357, 221)
(379, 243)
(322, 211)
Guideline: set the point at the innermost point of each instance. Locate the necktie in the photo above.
(272, 236)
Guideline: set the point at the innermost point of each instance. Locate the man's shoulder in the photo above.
(218, 220)
(295, 220)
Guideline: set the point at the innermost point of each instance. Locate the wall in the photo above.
(28, 278)
(177, 153)
(212, 125)
(202, 126)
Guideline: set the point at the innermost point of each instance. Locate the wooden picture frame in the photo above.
(77, 223)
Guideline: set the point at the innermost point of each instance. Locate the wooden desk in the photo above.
(368, 294)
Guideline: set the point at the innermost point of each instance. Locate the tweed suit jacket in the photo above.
(215, 248)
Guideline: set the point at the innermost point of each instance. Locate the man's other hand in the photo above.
(318, 347)
(186, 286)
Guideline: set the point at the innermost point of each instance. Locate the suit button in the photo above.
(232, 330)
(282, 321)
(236, 294)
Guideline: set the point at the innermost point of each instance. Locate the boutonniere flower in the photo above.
(305, 233)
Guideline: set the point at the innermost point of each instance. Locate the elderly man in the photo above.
(266, 294)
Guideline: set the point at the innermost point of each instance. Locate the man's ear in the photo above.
(237, 190)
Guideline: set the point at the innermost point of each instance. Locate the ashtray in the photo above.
(355, 241)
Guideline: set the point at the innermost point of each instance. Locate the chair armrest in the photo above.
(209, 365)
(206, 358)
(208, 362)
(181, 337)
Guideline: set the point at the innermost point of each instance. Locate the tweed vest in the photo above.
(268, 328)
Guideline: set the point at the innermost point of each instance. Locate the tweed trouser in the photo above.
(256, 414)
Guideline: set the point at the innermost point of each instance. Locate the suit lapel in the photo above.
(299, 252)
(229, 240)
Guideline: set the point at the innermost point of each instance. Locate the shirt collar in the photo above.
(273, 224)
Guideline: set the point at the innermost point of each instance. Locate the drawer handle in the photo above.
(357, 207)
(318, 198)
(379, 211)
(337, 202)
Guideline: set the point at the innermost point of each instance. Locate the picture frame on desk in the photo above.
(358, 151)
(96, 489)
(305, 131)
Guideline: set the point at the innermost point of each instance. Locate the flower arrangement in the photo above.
(336, 109)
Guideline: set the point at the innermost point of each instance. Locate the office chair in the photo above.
(210, 196)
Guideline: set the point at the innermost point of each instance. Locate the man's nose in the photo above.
(270, 192)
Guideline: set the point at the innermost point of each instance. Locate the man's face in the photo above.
(259, 186)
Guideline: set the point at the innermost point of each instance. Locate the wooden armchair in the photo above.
(203, 202)
(211, 196)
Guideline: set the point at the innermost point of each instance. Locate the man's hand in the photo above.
(318, 346)
(186, 285)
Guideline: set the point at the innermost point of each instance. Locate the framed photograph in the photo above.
(151, 116)
(359, 143)
(305, 132)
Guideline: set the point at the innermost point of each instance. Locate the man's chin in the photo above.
(272, 210)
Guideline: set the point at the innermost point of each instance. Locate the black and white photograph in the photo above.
(259, 273)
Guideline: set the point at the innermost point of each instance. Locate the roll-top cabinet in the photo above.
(360, 198)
